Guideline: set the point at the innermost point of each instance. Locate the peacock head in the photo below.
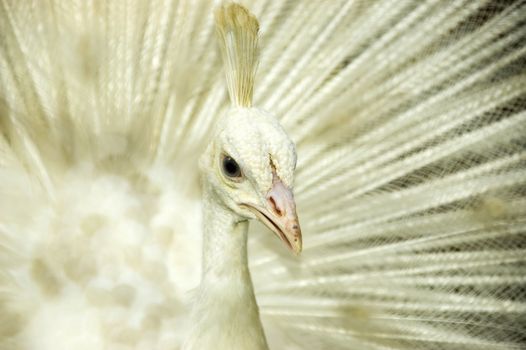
(249, 167)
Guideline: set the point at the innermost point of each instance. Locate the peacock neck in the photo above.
(225, 314)
(224, 244)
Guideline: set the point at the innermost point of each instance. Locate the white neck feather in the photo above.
(224, 244)
(225, 314)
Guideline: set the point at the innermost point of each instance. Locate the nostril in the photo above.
(275, 207)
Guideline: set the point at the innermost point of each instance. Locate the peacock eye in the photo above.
(231, 168)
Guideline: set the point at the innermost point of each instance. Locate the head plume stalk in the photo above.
(237, 30)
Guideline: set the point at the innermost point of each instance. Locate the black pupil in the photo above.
(230, 166)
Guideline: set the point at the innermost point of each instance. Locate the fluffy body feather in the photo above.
(409, 120)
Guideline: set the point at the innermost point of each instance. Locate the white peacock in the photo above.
(409, 121)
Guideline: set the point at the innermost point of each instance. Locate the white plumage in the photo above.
(409, 123)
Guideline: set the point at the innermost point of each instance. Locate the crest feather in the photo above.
(237, 30)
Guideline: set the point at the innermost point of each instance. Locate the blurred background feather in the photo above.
(410, 124)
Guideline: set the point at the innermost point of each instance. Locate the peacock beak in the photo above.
(279, 215)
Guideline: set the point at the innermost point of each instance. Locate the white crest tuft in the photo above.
(237, 30)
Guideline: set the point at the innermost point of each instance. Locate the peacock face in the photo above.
(250, 167)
